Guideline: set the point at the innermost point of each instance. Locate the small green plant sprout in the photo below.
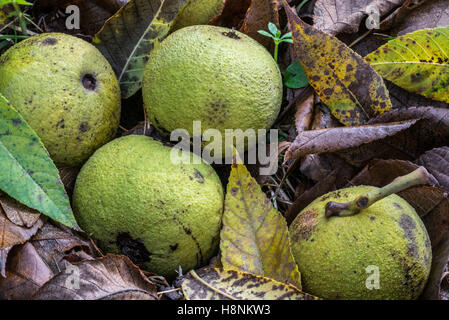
(277, 37)
(17, 13)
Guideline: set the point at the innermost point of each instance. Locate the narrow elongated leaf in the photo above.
(27, 173)
(254, 237)
(219, 284)
(417, 62)
(345, 82)
(128, 37)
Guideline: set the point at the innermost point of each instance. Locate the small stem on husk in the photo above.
(418, 177)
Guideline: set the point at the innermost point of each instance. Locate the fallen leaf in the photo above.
(27, 173)
(259, 14)
(432, 131)
(436, 162)
(68, 177)
(254, 237)
(150, 22)
(232, 15)
(417, 62)
(345, 16)
(345, 82)
(304, 113)
(26, 273)
(12, 234)
(341, 138)
(48, 253)
(431, 14)
(110, 278)
(219, 284)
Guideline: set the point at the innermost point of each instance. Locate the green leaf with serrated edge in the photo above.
(128, 37)
(417, 62)
(254, 236)
(219, 284)
(27, 173)
(345, 82)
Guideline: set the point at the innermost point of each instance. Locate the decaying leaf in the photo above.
(219, 284)
(431, 14)
(128, 37)
(259, 14)
(232, 15)
(417, 62)
(335, 139)
(17, 225)
(440, 255)
(304, 113)
(345, 82)
(31, 265)
(254, 237)
(27, 173)
(432, 131)
(437, 162)
(109, 278)
(345, 16)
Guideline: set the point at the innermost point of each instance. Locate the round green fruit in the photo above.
(215, 75)
(197, 12)
(66, 90)
(342, 257)
(134, 200)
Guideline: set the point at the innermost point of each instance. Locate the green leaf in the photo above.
(288, 40)
(128, 37)
(27, 173)
(287, 35)
(23, 3)
(295, 77)
(417, 62)
(264, 33)
(219, 284)
(272, 27)
(345, 82)
(254, 237)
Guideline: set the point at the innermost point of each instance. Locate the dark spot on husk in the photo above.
(362, 202)
(231, 34)
(198, 176)
(49, 42)
(397, 205)
(89, 82)
(133, 248)
(409, 227)
(84, 126)
(173, 247)
(307, 223)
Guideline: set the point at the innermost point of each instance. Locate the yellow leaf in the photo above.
(417, 62)
(254, 237)
(345, 82)
(219, 284)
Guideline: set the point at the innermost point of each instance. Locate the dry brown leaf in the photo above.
(232, 15)
(259, 14)
(432, 14)
(437, 162)
(304, 113)
(432, 131)
(37, 261)
(109, 278)
(68, 177)
(336, 139)
(12, 234)
(345, 16)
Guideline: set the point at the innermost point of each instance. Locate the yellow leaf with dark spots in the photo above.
(417, 62)
(254, 237)
(345, 82)
(219, 284)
